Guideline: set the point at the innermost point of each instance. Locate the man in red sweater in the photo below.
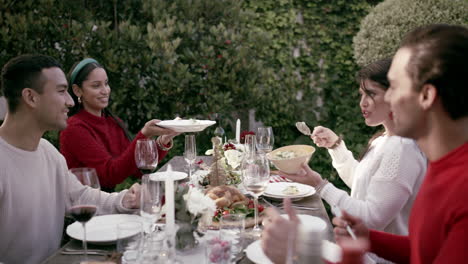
(428, 96)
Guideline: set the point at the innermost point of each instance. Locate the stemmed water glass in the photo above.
(190, 153)
(146, 155)
(265, 139)
(249, 144)
(85, 207)
(255, 178)
(150, 201)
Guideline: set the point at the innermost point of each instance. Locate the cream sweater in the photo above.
(383, 184)
(35, 192)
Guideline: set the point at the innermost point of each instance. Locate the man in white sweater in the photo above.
(36, 188)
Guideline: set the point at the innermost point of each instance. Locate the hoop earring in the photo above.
(79, 99)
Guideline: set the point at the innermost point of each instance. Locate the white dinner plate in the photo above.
(101, 229)
(163, 175)
(275, 190)
(330, 252)
(310, 220)
(186, 125)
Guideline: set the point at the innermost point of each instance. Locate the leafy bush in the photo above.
(382, 30)
(287, 60)
(328, 72)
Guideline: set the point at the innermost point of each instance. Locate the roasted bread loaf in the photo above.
(226, 196)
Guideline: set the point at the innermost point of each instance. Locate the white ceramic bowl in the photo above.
(303, 153)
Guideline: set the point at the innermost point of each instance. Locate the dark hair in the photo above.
(439, 56)
(377, 72)
(79, 79)
(82, 76)
(24, 72)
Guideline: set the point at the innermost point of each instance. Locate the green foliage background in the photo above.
(394, 18)
(288, 60)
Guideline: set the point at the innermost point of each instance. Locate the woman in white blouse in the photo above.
(384, 183)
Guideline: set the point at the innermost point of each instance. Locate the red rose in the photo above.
(229, 146)
(219, 56)
(227, 42)
(243, 134)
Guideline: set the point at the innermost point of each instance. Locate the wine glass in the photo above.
(146, 155)
(265, 139)
(85, 206)
(190, 153)
(255, 178)
(150, 202)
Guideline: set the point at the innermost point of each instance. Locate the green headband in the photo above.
(78, 68)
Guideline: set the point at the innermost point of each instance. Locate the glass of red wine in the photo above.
(146, 155)
(86, 206)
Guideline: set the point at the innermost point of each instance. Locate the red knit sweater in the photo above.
(438, 226)
(100, 143)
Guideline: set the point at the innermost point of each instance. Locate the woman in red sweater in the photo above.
(95, 137)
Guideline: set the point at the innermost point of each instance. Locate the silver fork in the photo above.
(270, 204)
(301, 207)
(72, 251)
(280, 205)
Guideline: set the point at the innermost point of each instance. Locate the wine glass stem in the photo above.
(85, 246)
(256, 212)
(190, 170)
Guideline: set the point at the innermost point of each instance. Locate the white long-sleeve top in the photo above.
(36, 190)
(383, 184)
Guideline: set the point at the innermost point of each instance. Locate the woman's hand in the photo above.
(324, 137)
(306, 176)
(356, 224)
(151, 129)
(166, 139)
(131, 199)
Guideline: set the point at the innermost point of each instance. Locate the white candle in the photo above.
(238, 131)
(170, 210)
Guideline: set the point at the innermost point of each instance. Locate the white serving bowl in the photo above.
(303, 153)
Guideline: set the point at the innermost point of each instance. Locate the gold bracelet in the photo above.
(161, 145)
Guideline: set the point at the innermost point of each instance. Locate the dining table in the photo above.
(178, 163)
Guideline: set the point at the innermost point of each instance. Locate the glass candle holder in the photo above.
(218, 251)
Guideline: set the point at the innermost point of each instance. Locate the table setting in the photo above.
(211, 215)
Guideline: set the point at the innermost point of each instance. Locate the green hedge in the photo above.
(194, 58)
(394, 18)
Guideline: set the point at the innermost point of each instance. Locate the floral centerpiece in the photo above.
(192, 207)
(228, 163)
(227, 159)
